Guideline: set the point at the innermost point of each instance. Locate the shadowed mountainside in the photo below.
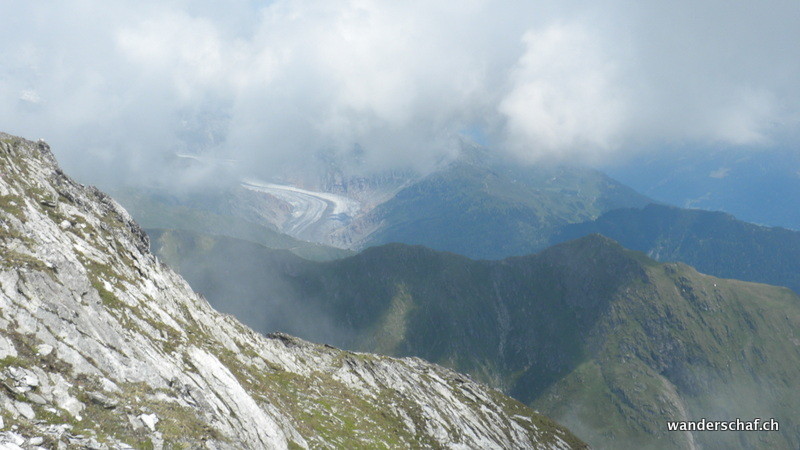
(713, 242)
(604, 339)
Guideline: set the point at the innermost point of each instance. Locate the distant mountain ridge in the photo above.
(713, 242)
(758, 185)
(478, 205)
(485, 208)
(604, 339)
(483, 212)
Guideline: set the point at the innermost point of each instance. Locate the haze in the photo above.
(117, 86)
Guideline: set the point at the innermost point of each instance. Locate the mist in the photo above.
(119, 88)
(255, 284)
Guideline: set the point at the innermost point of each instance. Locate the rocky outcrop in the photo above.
(102, 346)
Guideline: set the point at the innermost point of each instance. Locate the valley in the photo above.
(474, 315)
(758, 186)
(604, 339)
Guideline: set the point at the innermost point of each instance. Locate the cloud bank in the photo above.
(118, 86)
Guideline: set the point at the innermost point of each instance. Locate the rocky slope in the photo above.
(603, 339)
(103, 346)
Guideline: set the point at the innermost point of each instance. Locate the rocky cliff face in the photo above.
(103, 346)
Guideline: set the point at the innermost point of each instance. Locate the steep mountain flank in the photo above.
(604, 339)
(483, 208)
(102, 346)
(713, 242)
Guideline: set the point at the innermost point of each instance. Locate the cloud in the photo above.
(625, 76)
(719, 70)
(115, 88)
(358, 73)
(565, 96)
(722, 172)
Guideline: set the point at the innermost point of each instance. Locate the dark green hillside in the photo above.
(603, 339)
(496, 210)
(713, 242)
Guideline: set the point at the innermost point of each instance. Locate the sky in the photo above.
(118, 86)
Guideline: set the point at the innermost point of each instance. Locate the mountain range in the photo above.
(713, 242)
(478, 205)
(606, 340)
(103, 346)
(485, 208)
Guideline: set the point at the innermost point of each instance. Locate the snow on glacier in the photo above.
(313, 214)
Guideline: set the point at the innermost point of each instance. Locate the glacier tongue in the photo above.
(314, 216)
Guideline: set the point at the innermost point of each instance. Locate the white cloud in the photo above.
(722, 172)
(565, 96)
(746, 118)
(30, 96)
(175, 48)
(123, 83)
